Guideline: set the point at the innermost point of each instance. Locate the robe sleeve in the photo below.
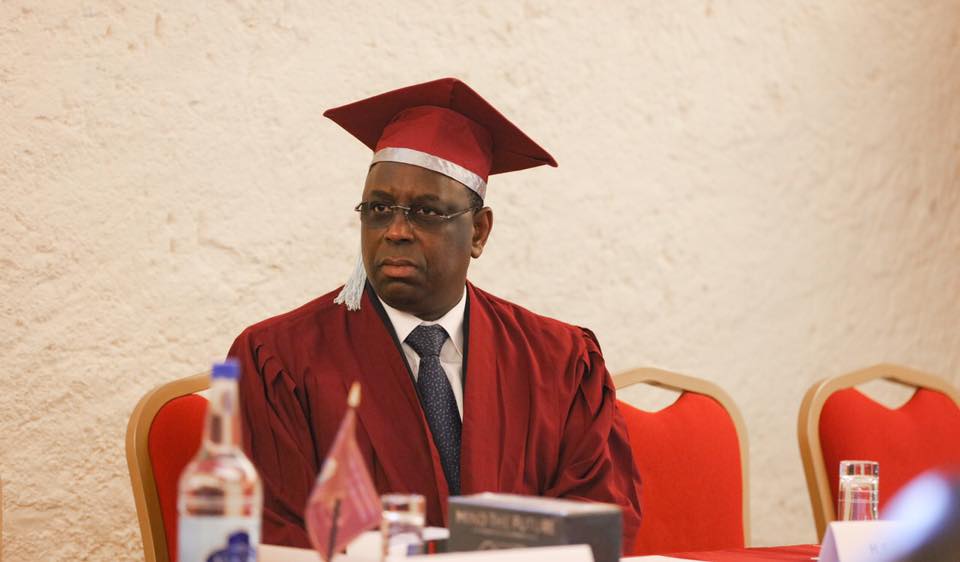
(277, 438)
(596, 462)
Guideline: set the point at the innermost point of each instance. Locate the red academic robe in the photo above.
(539, 414)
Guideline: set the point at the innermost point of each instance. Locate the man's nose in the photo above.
(399, 227)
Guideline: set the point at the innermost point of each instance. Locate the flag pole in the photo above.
(353, 400)
(333, 530)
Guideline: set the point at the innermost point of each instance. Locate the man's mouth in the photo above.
(397, 267)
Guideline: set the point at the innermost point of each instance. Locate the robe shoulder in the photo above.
(281, 338)
(550, 332)
(284, 324)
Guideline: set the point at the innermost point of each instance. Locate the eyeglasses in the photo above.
(380, 215)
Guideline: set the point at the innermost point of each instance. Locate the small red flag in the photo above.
(344, 502)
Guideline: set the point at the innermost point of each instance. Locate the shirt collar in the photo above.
(452, 321)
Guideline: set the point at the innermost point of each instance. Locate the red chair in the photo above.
(692, 457)
(163, 435)
(838, 422)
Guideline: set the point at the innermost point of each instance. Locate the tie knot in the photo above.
(427, 340)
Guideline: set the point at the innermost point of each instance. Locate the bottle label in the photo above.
(218, 539)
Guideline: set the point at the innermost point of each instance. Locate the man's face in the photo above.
(421, 270)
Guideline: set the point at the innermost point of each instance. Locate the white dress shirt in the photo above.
(451, 354)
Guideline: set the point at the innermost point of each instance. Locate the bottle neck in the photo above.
(222, 431)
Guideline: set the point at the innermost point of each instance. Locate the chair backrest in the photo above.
(692, 457)
(838, 422)
(163, 435)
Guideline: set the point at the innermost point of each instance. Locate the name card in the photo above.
(860, 541)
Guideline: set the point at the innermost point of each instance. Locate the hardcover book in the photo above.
(492, 521)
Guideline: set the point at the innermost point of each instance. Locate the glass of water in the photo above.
(401, 529)
(859, 490)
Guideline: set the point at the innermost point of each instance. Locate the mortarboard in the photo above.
(444, 126)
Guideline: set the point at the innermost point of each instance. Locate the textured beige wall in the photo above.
(759, 193)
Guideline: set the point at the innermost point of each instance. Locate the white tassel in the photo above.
(352, 292)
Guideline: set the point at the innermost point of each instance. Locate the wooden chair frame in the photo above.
(141, 469)
(684, 383)
(808, 427)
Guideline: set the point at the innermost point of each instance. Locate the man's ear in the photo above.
(482, 225)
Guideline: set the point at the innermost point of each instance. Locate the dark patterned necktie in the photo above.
(439, 404)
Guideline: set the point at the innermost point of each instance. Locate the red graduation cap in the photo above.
(444, 126)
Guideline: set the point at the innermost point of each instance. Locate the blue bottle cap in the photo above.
(228, 369)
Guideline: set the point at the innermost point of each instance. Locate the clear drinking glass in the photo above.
(402, 526)
(859, 490)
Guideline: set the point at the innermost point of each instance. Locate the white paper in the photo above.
(367, 545)
(859, 541)
(565, 553)
(654, 558)
(274, 553)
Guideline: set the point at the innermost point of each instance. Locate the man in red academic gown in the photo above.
(464, 392)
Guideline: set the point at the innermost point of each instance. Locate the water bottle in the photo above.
(220, 496)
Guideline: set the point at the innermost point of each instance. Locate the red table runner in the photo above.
(776, 553)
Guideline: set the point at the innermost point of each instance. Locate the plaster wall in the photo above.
(758, 193)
